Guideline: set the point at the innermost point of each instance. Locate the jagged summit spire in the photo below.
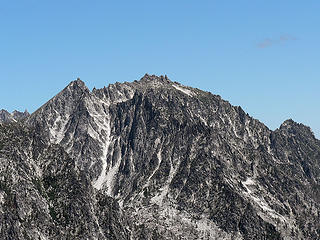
(161, 78)
(291, 123)
(76, 84)
(288, 122)
(292, 127)
(79, 82)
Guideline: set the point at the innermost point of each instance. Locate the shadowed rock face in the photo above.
(153, 159)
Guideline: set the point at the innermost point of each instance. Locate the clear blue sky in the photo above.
(261, 55)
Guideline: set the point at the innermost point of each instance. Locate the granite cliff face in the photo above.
(153, 159)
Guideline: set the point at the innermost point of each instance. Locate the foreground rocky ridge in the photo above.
(153, 159)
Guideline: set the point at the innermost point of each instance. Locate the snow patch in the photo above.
(248, 184)
(158, 199)
(156, 142)
(203, 121)
(57, 132)
(101, 134)
(250, 134)
(120, 202)
(99, 182)
(184, 90)
(102, 121)
(157, 167)
(155, 170)
(110, 176)
(1, 197)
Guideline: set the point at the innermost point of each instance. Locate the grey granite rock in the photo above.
(153, 159)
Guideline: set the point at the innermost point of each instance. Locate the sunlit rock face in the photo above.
(153, 159)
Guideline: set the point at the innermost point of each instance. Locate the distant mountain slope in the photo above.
(153, 159)
(15, 116)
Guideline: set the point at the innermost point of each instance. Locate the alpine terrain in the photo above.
(153, 159)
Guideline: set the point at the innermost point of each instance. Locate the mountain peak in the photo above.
(74, 88)
(288, 123)
(292, 127)
(77, 83)
(5, 116)
(3, 111)
(166, 161)
(153, 77)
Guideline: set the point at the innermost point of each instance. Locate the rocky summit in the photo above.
(153, 159)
